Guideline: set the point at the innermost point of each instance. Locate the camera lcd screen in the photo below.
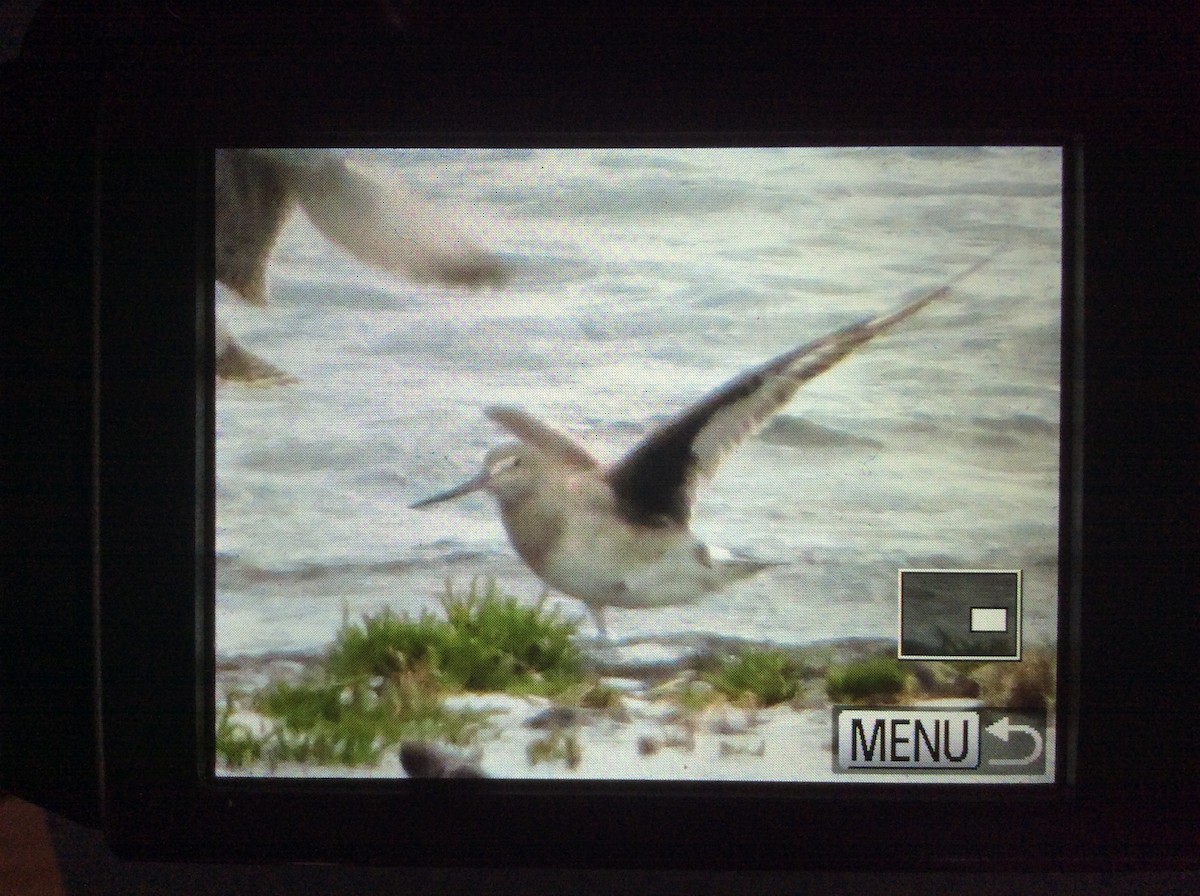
(695, 464)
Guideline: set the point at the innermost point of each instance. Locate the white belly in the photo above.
(618, 565)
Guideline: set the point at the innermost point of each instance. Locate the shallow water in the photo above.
(643, 280)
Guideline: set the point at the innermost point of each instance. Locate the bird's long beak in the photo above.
(471, 485)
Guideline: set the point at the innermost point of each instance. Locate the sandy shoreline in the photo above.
(648, 734)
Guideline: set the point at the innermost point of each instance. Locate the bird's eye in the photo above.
(505, 464)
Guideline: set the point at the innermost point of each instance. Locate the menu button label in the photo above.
(907, 738)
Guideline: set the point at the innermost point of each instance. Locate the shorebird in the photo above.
(619, 536)
(385, 227)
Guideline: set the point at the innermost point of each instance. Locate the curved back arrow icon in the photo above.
(1003, 728)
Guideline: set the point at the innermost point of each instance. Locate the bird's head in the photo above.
(509, 473)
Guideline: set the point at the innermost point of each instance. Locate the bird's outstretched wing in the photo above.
(656, 482)
(256, 190)
(384, 226)
(545, 438)
(390, 228)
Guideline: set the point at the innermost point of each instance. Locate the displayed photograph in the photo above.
(695, 464)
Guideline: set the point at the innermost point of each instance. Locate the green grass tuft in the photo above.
(487, 642)
(765, 677)
(332, 721)
(383, 680)
(879, 678)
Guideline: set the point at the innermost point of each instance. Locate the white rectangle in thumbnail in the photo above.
(989, 619)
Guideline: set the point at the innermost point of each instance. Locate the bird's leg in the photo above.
(598, 618)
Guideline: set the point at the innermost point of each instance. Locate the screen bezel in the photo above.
(156, 399)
